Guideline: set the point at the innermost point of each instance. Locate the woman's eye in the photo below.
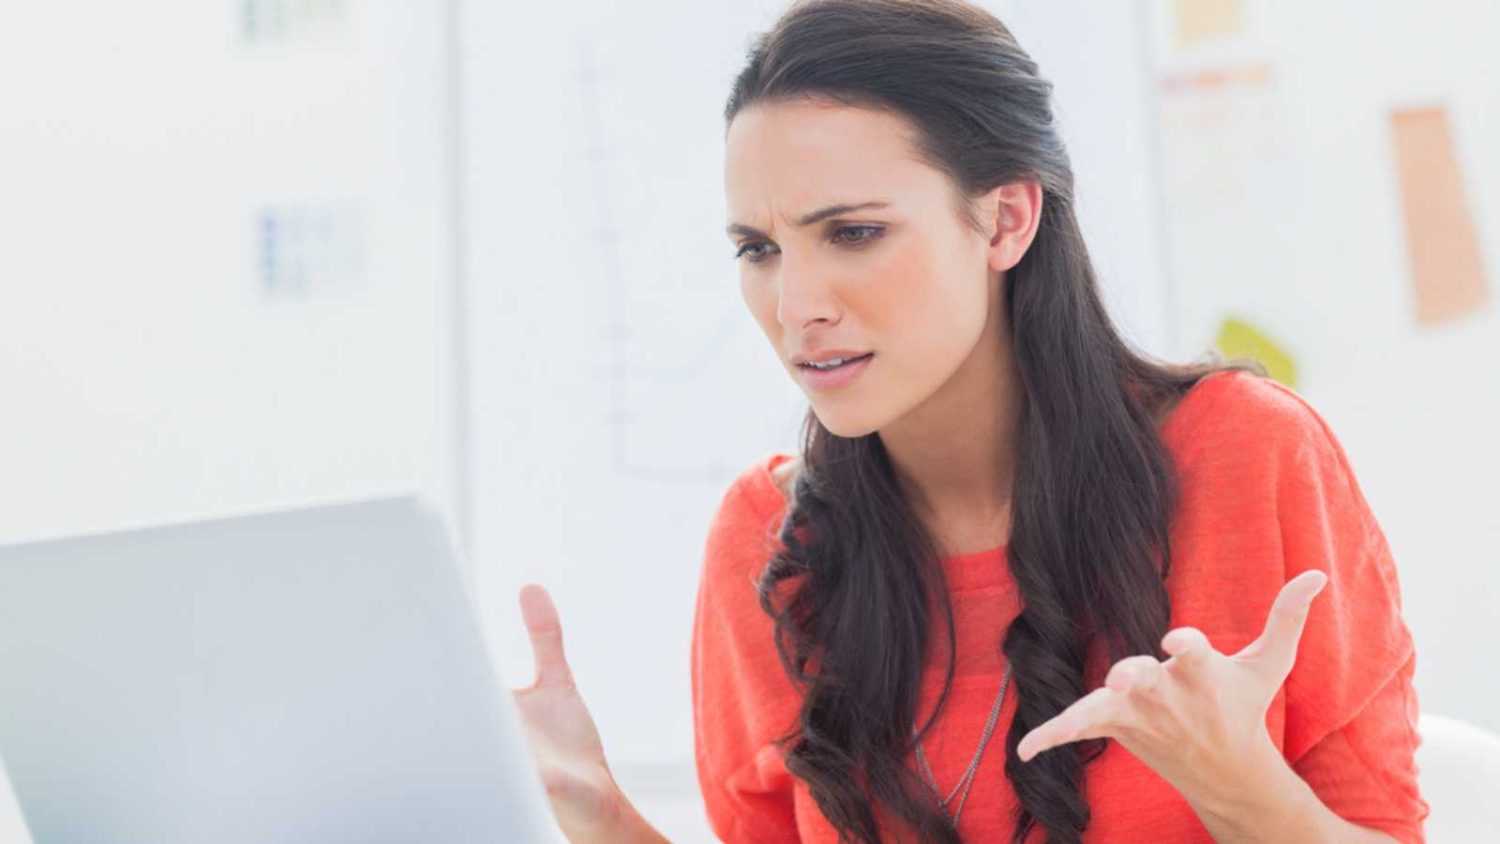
(757, 251)
(865, 233)
(748, 249)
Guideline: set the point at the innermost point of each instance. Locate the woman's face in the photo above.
(896, 274)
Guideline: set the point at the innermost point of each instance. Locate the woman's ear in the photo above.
(1012, 212)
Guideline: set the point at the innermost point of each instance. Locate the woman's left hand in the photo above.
(1199, 718)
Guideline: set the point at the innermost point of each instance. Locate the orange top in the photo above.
(1267, 493)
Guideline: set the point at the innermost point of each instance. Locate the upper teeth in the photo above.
(828, 364)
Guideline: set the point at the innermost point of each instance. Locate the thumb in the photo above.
(545, 630)
(1275, 650)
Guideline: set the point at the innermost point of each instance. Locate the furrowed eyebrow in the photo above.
(808, 219)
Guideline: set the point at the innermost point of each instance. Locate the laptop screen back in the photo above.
(310, 675)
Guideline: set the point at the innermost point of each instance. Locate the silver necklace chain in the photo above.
(967, 779)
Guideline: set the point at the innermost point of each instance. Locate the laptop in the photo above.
(314, 674)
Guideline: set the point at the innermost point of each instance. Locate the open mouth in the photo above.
(845, 362)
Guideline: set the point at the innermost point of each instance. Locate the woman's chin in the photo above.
(845, 422)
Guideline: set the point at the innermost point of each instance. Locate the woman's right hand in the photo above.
(569, 756)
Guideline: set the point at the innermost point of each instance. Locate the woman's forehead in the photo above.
(788, 160)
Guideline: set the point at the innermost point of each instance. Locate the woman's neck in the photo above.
(954, 455)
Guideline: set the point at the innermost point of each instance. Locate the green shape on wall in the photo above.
(1239, 339)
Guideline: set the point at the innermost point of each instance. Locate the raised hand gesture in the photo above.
(1197, 719)
(564, 741)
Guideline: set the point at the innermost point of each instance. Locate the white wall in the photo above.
(147, 373)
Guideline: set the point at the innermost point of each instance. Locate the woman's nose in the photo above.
(804, 294)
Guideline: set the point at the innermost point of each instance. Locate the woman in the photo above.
(1003, 522)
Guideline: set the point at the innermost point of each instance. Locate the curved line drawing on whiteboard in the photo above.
(652, 438)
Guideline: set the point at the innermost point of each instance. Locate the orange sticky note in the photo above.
(1204, 20)
(1442, 244)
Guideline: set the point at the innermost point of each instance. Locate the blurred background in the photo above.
(262, 252)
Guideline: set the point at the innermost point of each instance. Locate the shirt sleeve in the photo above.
(742, 698)
(1364, 771)
(1351, 711)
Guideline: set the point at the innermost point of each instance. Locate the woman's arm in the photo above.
(631, 829)
(1278, 805)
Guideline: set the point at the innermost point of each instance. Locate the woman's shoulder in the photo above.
(763, 486)
(742, 534)
(783, 469)
(1236, 412)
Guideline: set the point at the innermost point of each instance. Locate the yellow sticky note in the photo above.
(1239, 339)
(1441, 242)
(1205, 20)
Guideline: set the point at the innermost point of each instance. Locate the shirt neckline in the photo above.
(966, 570)
(962, 569)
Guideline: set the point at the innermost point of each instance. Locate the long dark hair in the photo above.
(1094, 487)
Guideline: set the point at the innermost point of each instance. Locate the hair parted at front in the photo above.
(1095, 488)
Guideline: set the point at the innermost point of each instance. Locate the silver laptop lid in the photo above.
(308, 675)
